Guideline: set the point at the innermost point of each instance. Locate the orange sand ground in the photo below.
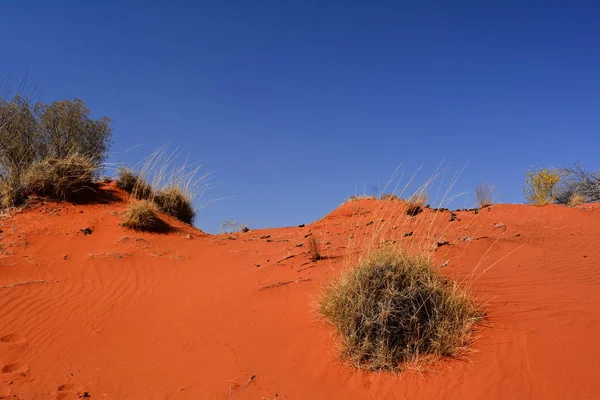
(118, 314)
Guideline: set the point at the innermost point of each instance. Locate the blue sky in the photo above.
(294, 106)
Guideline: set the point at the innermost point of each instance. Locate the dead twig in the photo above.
(304, 269)
(285, 258)
(27, 283)
(274, 285)
(234, 386)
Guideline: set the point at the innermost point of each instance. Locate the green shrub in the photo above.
(61, 137)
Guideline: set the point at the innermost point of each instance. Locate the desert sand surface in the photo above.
(89, 309)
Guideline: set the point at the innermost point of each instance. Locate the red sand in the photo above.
(118, 314)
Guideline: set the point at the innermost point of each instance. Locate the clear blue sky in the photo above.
(295, 104)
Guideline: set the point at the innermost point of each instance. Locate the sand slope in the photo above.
(117, 314)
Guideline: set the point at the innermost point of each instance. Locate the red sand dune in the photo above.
(117, 314)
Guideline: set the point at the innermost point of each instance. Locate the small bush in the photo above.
(542, 186)
(231, 226)
(10, 195)
(38, 143)
(142, 215)
(484, 194)
(576, 199)
(415, 204)
(173, 201)
(60, 178)
(394, 308)
(578, 181)
(126, 179)
(314, 248)
(134, 184)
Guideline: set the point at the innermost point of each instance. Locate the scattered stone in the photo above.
(86, 231)
(301, 226)
(453, 217)
(369, 223)
(442, 242)
(408, 234)
(299, 244)
(66, 257)
(269, 240)
(256, 265)
(307, 235)
(265, 236)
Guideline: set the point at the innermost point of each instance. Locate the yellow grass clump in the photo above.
(175, 202)
(133, 183)
(60, 178)
(484, 195)
(415, 204)
(142, 215)
(576, 200)
(393, 308)
(314, 248)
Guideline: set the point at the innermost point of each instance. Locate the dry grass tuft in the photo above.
(389, 196)
(173, 201)
(359, 197)
(142, 215)
(314, 248)
(484, 195)
(10, 195)
(415, 204)
(576, 200)
(60, 178)
(133, 183)
(393, 308)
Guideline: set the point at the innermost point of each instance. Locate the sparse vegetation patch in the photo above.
(142, 215)
(393, 308)
(484, 195)
(541, 187)
(314, 248)
(65, 178)
(173, 201)
(415, 204)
